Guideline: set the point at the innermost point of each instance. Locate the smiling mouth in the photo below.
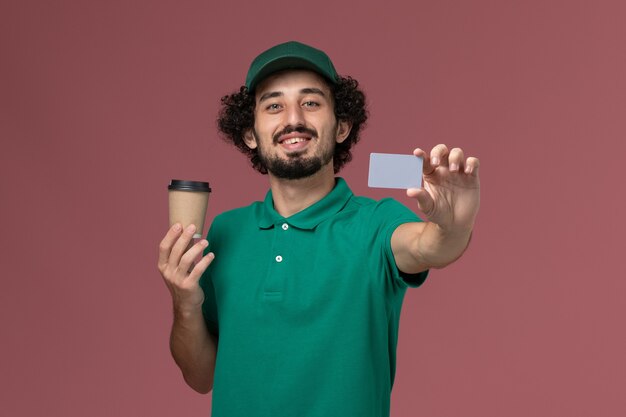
(291, 141)
(295, 144)
(294, 135)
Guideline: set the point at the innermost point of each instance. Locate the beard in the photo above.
(296, 166)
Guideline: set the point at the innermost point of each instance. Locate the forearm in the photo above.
(437, 247)
(193, 348)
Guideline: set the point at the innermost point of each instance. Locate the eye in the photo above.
(273, 107)
(310, 104)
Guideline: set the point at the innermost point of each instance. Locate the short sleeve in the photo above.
(393, 214)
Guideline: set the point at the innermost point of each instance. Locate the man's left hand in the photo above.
(450, 196)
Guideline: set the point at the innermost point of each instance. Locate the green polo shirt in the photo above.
(306, 308)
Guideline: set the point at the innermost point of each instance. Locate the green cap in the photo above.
(290, 55)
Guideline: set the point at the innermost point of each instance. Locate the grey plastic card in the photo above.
(389, 170)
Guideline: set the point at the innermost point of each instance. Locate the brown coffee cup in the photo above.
(188, 201)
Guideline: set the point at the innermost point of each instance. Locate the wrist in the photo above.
(443, 246)
(452, 231)
(186, 311)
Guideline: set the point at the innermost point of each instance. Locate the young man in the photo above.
(294, 309)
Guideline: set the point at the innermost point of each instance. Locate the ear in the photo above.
(343, 130)
(249, 139)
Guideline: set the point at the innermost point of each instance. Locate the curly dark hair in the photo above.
(236, 117)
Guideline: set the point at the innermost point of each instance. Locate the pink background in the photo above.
(103, 102)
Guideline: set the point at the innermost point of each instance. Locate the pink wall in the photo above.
(101, 103)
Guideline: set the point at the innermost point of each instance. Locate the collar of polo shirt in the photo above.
(310, 217)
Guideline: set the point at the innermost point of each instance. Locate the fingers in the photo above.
(181, 246)
(425, 201)
(456, 160)
(439, 155)
(165, 247)
(427, 168)
(471, 166)
(200, 267)
(177, 254)
(453, 159)
(187, 260)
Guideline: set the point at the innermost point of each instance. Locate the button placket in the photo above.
(279, 258)
(277, 271)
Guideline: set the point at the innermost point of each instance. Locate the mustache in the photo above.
(291, 129)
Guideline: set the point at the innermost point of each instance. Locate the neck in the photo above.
(293, 196)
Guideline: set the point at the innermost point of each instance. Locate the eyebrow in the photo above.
(309, 90)
(312, 90)
(271, 94)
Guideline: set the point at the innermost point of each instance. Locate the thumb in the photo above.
(424, 201)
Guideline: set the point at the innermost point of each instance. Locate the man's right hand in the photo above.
(176, 264)
(192, 346)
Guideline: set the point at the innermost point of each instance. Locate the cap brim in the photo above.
(284, 63)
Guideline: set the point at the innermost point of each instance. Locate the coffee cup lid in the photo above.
(183, 185)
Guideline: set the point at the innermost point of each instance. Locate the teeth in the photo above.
(293, 140)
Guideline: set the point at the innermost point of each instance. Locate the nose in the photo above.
(294, 115)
